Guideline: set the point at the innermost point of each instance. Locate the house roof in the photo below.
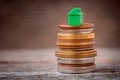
(76, 12)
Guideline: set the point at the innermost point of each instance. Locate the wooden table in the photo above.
(41, 65)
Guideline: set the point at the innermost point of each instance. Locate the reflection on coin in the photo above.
(68, 69)
(76, 54)
(75, 61)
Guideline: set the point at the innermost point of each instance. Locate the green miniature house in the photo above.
(75, 17)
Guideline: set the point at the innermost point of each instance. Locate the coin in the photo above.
(80, 47)
(75, 40)
(68, 69)
(76, 65)
(75, 61)
(84, 26)
(78, 31)
(76, 36)
(76, 44)
(76, 54)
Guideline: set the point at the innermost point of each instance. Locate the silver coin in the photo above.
(78, 31)
(75, 61)
(75, 70)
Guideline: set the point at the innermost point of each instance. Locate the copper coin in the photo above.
(84, 26)
(76, 36)
(76, 65)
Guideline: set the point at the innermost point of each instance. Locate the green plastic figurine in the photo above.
(75, 17)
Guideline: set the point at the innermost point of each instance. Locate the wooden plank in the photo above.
(41, 65)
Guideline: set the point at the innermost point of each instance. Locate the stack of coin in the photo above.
(76, 53)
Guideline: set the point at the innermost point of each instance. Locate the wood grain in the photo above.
(41, 65)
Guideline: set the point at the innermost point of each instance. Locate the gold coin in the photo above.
(75, 40)
(75, 54)
(82, 47)
(75, 36)
(76, 44)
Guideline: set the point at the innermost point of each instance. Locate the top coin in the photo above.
(84, 26)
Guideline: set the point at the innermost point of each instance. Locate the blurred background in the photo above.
(33, 24)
